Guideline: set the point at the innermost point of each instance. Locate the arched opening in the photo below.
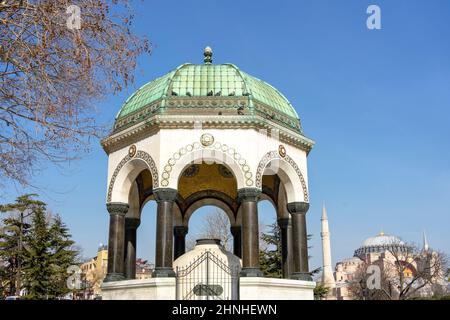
(213, 178)
(146, 242)
(209, 190)
(140, 228)
(288, 174)
(274, 227)
(270, 242)
(209, 222)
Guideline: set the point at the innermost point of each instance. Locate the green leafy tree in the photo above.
(35, 250)
(63, 256)
(12, 238)
(270, 257)
(320, 291)
(38, 258)
(3, 276)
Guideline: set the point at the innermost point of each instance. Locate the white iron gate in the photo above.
(207, 278)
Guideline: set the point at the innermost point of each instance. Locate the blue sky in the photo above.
(377, 103)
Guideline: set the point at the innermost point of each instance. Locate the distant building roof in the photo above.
(381, 243)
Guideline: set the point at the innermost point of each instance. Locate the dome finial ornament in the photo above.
(208, 55)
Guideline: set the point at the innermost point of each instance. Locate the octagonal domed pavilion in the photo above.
(207, 134)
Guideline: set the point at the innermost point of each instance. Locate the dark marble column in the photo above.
(286, 246)
(116, 241)
(180, 233)
(300, 240)
(290, 248)
(248, 199)
(131, 225)
(237, 243)
(165, 197)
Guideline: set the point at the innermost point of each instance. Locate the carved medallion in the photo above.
(132, 151)
(207, 139)
(282, 151)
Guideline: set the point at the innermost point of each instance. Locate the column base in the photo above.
(301, 276)
(251, 272)
(163, 273)
(114, 277)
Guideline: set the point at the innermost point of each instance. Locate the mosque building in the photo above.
(382, 250)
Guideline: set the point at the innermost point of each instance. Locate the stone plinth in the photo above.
(147, 289)
(257, 288)
(251, 288)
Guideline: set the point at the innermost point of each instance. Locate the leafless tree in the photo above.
(406, 272)
(216, 225)
(51, 72)
(359, 288)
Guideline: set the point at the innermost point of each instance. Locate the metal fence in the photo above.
(207, 278)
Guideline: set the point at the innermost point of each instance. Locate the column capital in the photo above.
(248, 194)
(298, 207)
(180, 231)
(284, 222)
(235, 230)
(132, 223)
(117, 208)
(165, 194)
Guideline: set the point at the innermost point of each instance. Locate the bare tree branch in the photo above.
(50, 76)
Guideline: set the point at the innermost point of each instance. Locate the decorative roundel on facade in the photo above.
(207, 139)
(132, 151)
(165, 183)
(282, 151)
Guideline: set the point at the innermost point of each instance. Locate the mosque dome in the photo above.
(381, 243)
(209, 89)
(382, 240)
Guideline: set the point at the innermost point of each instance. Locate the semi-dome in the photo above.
(381, 243)
(219, 89)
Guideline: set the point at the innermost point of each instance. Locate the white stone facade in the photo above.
(242, 151)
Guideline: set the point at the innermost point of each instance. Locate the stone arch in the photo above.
(216, 152)
(282, 202)
(134, 210)
(286, 168)
(197, 204)
(126, 172)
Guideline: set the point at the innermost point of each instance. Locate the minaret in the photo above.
(327, 275)
(425, 242)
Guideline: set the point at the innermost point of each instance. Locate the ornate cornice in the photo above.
(150, 126)
(196, 105)
(298, 207)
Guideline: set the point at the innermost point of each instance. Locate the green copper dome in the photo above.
(209, 86)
